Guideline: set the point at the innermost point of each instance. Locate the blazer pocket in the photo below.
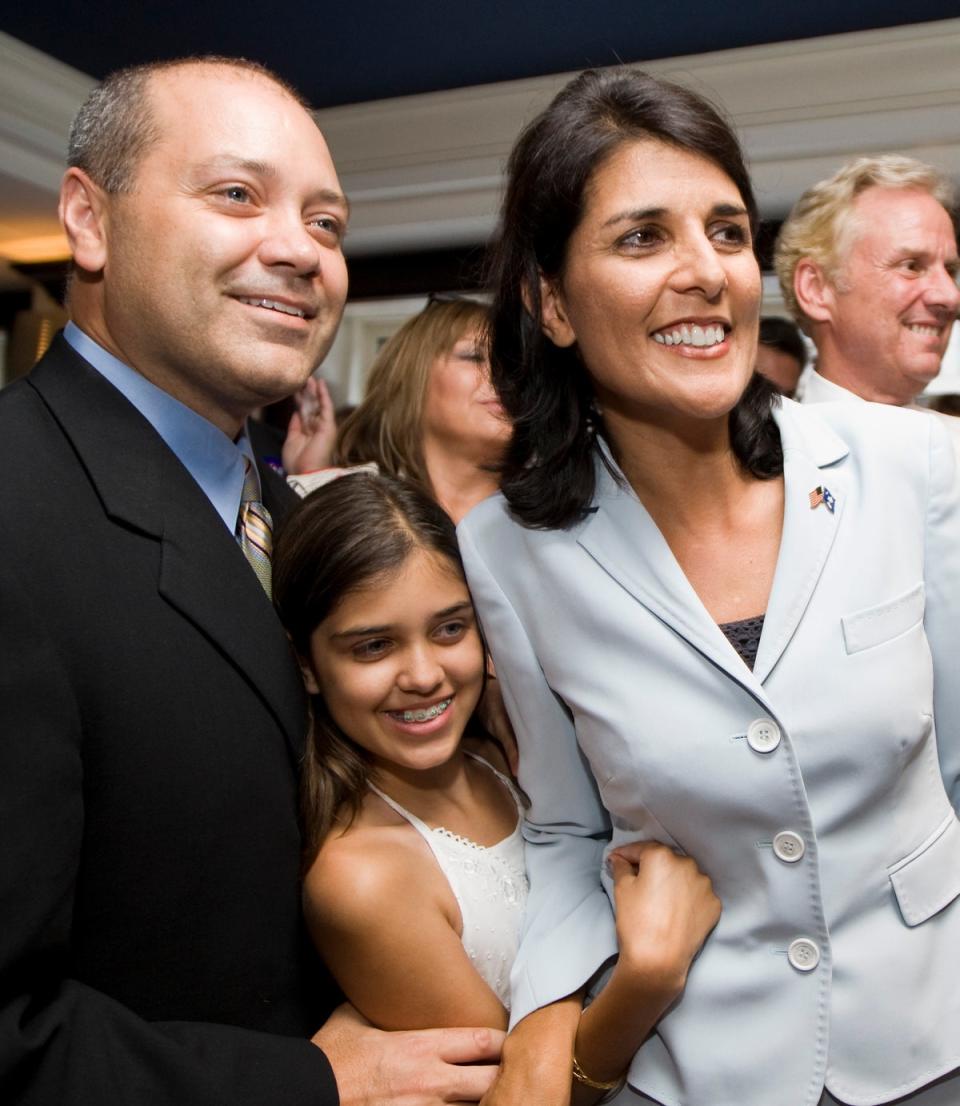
(864, 629)
(929, 878)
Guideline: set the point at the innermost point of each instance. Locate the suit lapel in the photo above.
(624, 540)
(203, 573)
(808, 532)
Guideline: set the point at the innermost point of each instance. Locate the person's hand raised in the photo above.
(312, 430)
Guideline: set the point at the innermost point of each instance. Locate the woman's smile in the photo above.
(660, 291)
(691, 334)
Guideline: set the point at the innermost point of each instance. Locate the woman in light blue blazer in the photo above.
(722, 622)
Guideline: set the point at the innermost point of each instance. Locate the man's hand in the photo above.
(426, 1067)
(312, 431)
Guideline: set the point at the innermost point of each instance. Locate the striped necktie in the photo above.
(255, 528)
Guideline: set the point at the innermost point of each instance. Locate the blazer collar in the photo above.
(623, 539)
(202, 572)
(811, 449)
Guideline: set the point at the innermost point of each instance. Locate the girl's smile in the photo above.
(400, 664)
(418, 717)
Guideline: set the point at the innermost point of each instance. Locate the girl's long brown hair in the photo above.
(339, 538)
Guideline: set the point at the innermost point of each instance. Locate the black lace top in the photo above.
(744, 636)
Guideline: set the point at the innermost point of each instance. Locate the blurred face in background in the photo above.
(779, 367)
(895, 298)
(462, 412)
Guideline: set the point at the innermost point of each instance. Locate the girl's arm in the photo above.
(665, 909)
(384, 922)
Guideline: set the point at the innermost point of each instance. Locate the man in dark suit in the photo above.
(151, 715)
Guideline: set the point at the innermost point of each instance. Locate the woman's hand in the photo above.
(665, 909)
(312, 430)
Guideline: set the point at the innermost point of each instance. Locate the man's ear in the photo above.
(815, 293)
(553, 315)
(83, 217)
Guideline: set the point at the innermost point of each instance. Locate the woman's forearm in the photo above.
(665, 909)
(536, 1060)
(614, 1026)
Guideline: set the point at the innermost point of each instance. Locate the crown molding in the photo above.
(427, 170)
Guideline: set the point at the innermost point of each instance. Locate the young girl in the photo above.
(415, 883)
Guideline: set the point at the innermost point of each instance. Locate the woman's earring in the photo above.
(593, 420)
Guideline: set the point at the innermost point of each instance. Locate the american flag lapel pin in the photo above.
(825, 496)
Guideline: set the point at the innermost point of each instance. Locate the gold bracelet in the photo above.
(581, 1077)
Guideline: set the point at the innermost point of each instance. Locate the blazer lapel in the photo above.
(624, 540)
(204, 575)
(202, 572)
(808, 531)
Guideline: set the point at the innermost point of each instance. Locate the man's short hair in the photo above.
(821, 224)
(116, 123)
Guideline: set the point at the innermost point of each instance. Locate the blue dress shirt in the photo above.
(215, 461)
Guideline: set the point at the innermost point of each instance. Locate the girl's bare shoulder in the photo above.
(375, 859)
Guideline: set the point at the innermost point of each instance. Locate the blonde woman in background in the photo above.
(430, 414)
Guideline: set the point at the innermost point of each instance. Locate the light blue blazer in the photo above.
(809, 789)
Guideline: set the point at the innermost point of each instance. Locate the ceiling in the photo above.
(359, 50)
(421, 101)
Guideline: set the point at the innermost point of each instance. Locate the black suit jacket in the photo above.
(151, 725)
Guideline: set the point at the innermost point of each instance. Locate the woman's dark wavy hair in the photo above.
(341, 537)
(548, 474)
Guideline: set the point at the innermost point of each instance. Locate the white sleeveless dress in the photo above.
(490, 886)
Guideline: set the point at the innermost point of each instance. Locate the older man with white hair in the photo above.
(868, 266)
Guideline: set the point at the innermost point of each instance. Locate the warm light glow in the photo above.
(41, 247)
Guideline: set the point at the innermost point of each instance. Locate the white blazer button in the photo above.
(763, 735)
(803, 954)
(788, 846)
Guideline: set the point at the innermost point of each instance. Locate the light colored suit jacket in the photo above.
(817, 389)
(835, 959)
